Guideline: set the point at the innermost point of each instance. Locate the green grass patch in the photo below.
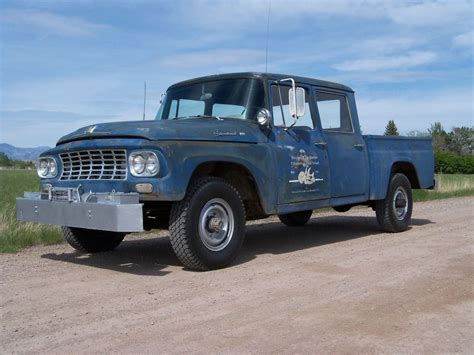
(15, 235)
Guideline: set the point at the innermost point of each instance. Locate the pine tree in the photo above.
(391, 129)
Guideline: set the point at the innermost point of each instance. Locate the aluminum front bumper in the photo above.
(108, 212)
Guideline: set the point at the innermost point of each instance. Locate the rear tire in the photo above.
(295, 219)
(92, 241)
(207, 227)
(394, 212)
(342, 209)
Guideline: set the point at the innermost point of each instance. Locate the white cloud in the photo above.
(387, 44)
(42, 127)
(214, 57)
(25, 117)
(417, 112)
(239, 13)
(49, 23)
(464, 39)
(431, 12)
(409, 60)
(67, 94)
(372, 44)
(251, 15)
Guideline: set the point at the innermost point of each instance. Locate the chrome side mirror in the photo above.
(297, 102)
(296, 99)
(264, 117)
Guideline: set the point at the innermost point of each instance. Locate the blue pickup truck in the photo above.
(222, 150)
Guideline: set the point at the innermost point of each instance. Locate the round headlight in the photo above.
(47, 168)
(144, 164)
(138, 164)
(152, 164)
(53, 168)
(264, 117)
(43, 168)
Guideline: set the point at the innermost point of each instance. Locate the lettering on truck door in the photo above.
(303, 165)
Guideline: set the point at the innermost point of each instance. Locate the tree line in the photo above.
(5, 161)
(454, 150)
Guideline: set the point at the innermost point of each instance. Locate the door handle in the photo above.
(359, 146)
(321, 144)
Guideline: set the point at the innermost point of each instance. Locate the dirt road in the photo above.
(335, 285)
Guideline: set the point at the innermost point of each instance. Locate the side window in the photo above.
(334, 112)
(279, 117)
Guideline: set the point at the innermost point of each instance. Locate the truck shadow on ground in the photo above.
(150, 256)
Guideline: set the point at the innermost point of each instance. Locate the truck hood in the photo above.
(192, 129)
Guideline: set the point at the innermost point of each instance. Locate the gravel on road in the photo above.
(337, 284)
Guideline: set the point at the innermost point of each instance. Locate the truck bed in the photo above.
(385, 151)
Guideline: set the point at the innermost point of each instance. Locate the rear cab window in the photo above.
(334, 112)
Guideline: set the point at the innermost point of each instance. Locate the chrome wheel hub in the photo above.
(216, 224)
(400, 203)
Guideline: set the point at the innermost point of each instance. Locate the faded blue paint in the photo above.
(348, 156)
(385, 151)
(350, 169)
(258, 159)
(292, 148)
(193, 129)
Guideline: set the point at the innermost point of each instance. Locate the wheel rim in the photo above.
(216, 224)
(400, 203)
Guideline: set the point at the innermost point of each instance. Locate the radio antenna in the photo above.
(144, 99)
(268, 31)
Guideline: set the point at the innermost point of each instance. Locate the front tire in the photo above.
(92, 241)
(207, 227)
(394, 212)
(295, 219)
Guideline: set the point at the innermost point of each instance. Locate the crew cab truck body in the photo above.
(224, 149)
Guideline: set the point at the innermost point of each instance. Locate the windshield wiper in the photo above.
(209, 116)
(201, 116)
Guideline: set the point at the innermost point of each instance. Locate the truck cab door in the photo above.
(348, 157)
(301, 155)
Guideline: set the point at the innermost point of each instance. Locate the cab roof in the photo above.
(264, 76)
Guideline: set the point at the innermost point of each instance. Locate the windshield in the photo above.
(230, 98)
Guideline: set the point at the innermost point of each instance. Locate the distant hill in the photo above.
(15, 153)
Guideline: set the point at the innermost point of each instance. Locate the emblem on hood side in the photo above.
(90, 130)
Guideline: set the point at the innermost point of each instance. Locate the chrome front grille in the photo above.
(101, 164)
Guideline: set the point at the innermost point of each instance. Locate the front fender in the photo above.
(185, 157)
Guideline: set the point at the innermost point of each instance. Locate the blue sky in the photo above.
(67, 64)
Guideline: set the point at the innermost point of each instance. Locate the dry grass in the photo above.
(15, 235)
(452, 183)
(449, 185)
